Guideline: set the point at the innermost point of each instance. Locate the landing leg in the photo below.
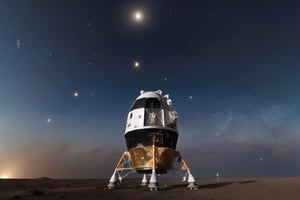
(123, 166)
(190, 178)
(153, 185)
(112, 181)
(191, 181)
(144, 181)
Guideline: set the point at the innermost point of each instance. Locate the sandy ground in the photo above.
(254, 188)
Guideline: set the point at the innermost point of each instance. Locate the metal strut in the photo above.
(122, 169)
(188, 175)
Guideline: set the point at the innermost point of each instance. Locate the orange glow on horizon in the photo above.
(6, 175)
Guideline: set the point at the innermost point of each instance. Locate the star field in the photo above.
(70, 72)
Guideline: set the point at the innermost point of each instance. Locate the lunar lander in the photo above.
(151, 136)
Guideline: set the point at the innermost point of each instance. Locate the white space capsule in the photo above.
(151, 136)
(152, 121)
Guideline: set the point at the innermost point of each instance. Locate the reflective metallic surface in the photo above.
(142, 158)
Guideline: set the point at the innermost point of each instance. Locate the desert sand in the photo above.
(247, 188)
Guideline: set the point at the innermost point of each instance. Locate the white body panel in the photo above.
(145, 118)
(135, 120)
(150, 116)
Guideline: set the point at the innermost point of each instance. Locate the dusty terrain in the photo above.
(251, 188)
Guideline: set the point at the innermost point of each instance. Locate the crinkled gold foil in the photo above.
(142, 157)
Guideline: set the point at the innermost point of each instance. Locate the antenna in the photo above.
(217, 175)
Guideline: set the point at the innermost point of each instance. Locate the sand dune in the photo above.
(251, 188)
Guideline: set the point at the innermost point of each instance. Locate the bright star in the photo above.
(136, 64)
(138, 16)
(75, 94)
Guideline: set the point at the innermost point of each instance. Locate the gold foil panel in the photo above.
(142, 157)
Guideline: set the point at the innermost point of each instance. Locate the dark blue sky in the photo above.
(231, 68)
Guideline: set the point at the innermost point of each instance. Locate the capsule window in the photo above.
(140, 103)
(130, 117)
(153, 103)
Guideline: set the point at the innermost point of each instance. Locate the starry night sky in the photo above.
(231, 68)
